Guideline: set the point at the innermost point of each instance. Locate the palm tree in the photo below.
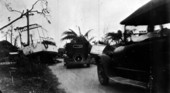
(74, 37)
(117, 37)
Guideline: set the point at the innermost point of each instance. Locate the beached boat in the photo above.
(43, 48)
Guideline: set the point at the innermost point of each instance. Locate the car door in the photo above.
(132, 62)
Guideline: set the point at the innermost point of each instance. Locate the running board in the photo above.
(129, 82)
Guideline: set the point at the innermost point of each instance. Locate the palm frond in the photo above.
(87, 33)
(68, 37)
(73, 32)
(91, 39)
(79, 30)
(68, 33)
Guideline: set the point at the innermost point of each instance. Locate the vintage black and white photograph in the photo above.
(84, 46)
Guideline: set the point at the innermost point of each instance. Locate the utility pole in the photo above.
(9, 19)
(28, 31)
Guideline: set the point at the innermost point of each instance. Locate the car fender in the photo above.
(104, 60)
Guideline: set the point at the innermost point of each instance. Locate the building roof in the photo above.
(152, 13)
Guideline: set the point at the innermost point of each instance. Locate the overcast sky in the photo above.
(100, 15)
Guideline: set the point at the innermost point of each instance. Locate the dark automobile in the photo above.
(77, 53)
(146, 59)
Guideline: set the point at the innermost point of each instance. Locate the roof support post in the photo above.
(125, 34)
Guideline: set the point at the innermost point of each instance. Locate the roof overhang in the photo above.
(153, 13)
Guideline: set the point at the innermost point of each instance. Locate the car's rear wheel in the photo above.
(103, 78)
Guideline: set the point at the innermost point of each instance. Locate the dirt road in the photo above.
(85, 80)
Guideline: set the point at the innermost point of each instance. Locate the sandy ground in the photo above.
(85, 80)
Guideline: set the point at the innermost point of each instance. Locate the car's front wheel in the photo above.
(103, 78)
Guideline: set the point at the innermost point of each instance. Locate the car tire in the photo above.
(103, 78)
